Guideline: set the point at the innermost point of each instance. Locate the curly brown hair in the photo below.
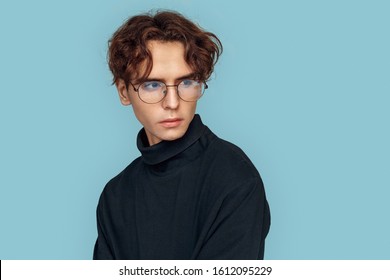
(128, 46)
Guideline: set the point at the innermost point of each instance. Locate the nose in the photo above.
(172, 99)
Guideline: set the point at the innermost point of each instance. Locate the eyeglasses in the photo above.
(152, 92)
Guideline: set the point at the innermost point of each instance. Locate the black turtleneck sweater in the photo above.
(197, 197)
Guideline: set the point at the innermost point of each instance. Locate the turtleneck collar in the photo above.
(167, 149)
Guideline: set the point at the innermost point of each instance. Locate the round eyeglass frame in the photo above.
(136, 89)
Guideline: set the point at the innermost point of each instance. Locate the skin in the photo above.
(168, 66)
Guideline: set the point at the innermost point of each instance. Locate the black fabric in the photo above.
(198, 197)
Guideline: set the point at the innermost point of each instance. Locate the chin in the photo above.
(174, 136)
(166, 134)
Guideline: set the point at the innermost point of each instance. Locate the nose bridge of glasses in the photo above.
(168, 86)
(171, 99)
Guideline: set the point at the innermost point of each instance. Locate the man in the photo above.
(190, 195)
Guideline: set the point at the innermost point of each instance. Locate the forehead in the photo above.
(168, 60)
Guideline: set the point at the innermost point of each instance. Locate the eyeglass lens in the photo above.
(155, 91)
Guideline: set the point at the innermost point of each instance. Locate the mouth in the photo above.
(170, 123)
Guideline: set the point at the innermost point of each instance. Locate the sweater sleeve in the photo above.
(102, 250)
(240, 223)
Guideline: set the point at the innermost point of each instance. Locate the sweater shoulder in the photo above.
(232, 158)
(121, 182)
(230, 168)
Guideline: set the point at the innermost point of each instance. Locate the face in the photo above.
(169, 119)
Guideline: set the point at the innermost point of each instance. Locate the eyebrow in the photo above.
(187, 76)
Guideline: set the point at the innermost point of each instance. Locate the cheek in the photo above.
(145, 113)
(191, 107)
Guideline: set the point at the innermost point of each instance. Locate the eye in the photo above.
(189, 83)
(152, 86)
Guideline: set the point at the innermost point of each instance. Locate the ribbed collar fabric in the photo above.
(165, 150)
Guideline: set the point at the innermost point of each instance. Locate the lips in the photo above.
(169, 123)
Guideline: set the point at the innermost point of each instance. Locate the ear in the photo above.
(124, 95)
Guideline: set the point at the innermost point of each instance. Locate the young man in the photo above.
(190, 195)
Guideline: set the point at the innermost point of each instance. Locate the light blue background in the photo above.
(302, 87)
